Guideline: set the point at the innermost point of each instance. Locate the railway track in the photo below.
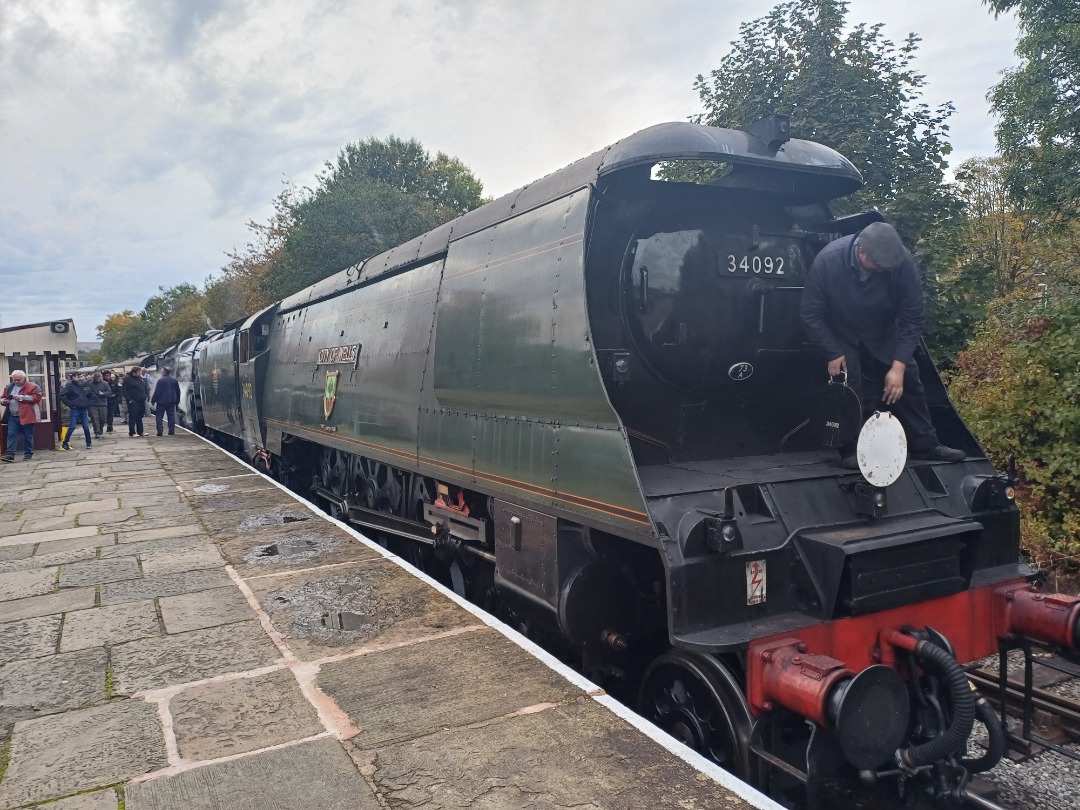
(1048, 719)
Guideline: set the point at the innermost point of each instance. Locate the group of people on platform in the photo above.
(94, 401)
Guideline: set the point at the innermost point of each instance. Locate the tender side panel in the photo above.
(361, 394)
(518, 404)
(219, 390)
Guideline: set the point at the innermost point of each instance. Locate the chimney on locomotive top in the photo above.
(773, 131)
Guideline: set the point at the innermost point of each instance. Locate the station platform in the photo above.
(177, 631)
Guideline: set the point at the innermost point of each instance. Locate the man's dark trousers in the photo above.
(78, 416)
(169, 409)
(15, 430)
(866, 375)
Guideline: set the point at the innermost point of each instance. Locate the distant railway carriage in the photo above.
(581, 405)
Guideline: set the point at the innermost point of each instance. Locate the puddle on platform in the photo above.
(341, 609)
(285, 549)
(345, 620)
(253, 522)
(292, 549)
(210, 489)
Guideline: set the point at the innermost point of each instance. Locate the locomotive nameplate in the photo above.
(755, 582)
(338, 354)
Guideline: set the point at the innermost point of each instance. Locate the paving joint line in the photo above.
(181, 765)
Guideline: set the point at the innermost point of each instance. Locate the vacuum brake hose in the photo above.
(995, 738)
(963, 703)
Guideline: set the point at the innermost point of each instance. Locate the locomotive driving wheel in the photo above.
(335, 474)
(698, 701)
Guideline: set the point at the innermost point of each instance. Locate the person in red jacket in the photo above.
(21, 402)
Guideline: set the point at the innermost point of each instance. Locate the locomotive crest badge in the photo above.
(330, 393)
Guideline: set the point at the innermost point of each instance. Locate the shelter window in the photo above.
(244, 349)
(34, 367)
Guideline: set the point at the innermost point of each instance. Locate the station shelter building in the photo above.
(44, 351)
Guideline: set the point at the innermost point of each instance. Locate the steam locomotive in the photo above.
(588, 405)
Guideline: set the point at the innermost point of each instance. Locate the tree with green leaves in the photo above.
(157, 326)
(379, 193)
(858, 92)
(854, 90)
(998, 248)
(125, 334)
(1018, 387)
(1038, 105)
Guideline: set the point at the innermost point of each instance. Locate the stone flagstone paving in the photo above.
(163, 645)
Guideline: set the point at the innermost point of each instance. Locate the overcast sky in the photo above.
(137, 137)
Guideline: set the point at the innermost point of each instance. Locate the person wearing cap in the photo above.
(863, 308)
(166, 397)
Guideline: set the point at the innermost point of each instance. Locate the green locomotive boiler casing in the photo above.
(475, 367)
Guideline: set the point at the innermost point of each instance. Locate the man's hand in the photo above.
(894, 383)
(837, 366)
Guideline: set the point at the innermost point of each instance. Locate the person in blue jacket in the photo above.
(863, 307)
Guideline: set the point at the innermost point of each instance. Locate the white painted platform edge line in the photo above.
(692, 758)
(190, 765)
(689, 756)
(168, 692)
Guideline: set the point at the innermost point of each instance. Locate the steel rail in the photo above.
(1055, 705)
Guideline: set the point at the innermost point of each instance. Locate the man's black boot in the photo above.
(939, 453)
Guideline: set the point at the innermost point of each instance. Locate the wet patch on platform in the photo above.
(322, 613)
(294, 548)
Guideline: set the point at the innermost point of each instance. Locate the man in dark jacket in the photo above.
(113, 400)
(74, 396)
(863, 307)
(166, 397)
(97, 394)
(135, 394)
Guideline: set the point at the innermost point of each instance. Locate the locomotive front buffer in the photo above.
(878, 713)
